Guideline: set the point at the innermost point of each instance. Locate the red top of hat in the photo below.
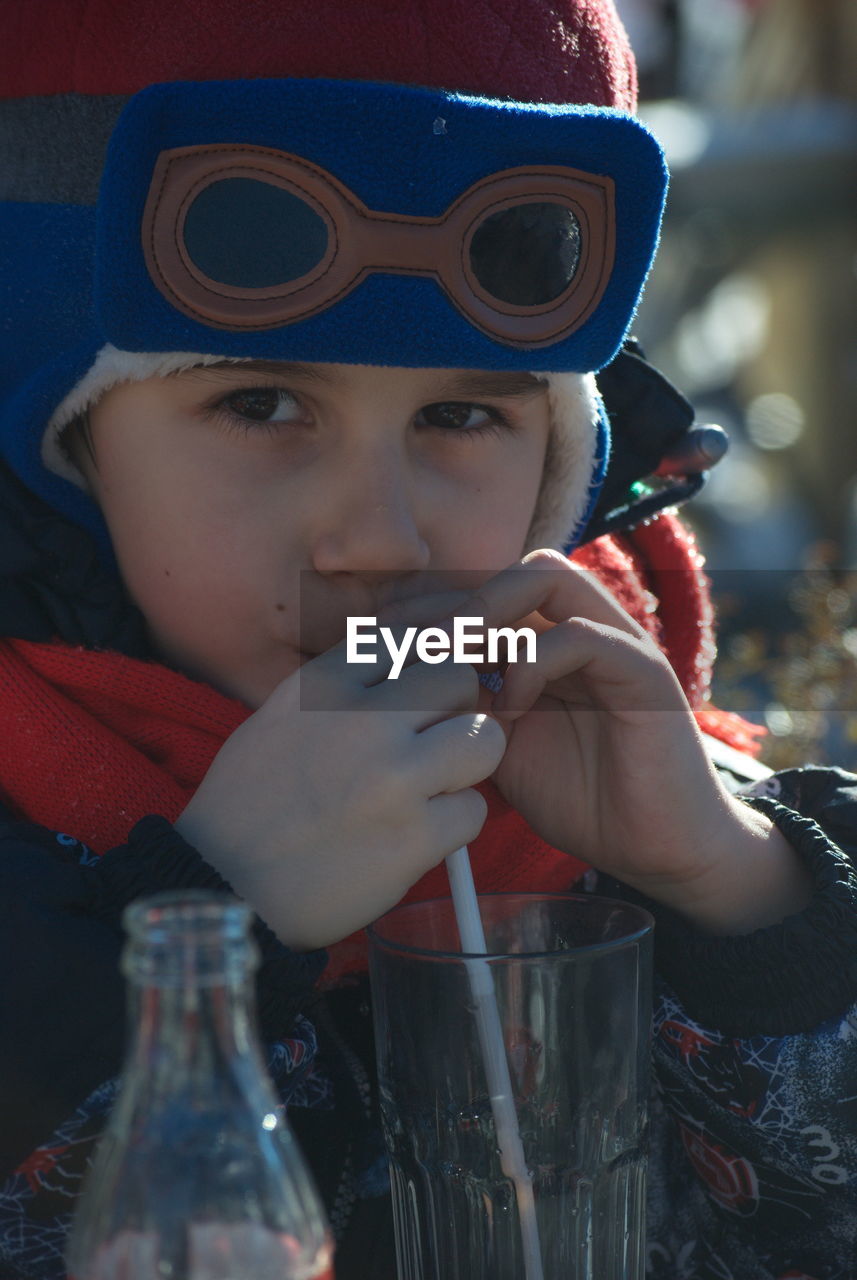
(531, 50)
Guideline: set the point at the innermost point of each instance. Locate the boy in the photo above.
(332, 346)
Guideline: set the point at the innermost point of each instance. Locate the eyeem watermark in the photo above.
(433, 643)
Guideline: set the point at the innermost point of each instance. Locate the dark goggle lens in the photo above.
(253, 235)
(526, 255)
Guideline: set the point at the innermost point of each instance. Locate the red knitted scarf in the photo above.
(93, 741)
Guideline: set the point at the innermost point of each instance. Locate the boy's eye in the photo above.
(457, 415)
(263, 404)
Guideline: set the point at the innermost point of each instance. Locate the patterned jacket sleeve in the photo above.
(62, 1015)
(753, 1171)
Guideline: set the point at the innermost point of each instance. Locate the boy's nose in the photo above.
(368, 523)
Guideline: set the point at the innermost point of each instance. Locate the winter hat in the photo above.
(446, 184)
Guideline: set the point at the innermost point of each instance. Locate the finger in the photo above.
(429, 692)
(387, 645)
(423, 610)
(614, 670)
(392, 666)
(459, 752)
(395, 649)
(400, 625)
(455, 820)
(372, 653)
(545, 583)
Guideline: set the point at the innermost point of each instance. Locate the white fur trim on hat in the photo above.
(110, 368)
(570, 460)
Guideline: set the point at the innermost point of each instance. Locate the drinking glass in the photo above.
(572, 979)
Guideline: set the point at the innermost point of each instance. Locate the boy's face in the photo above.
(220, 485)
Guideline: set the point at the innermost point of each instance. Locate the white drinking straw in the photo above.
(479, 974)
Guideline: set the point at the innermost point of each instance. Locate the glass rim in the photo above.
(644, 928)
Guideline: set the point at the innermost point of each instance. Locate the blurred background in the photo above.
(752, 311)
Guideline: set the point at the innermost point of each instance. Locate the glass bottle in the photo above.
(198, 1176)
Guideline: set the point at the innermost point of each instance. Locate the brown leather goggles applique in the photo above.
(249, 238)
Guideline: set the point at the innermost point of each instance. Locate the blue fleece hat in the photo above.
(323, 220)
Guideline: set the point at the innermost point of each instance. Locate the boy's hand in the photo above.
(322, 820)
(605, 761)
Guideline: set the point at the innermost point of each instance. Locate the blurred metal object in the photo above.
(769, 166)
(698, 450)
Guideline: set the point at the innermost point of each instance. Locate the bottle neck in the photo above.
(192, 1002)
(190, 1029)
